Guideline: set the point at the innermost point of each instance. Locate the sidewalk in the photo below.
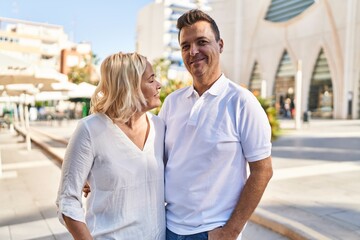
(314, 193)
(28, 187)
(315, 190)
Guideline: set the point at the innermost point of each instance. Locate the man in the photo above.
(213, 130)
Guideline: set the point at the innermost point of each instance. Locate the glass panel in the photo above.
(284, 10)
(284, 88)
(255, 80)
(321, 91)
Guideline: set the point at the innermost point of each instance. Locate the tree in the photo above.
(78, 74)
(161, 68)
(272, 116)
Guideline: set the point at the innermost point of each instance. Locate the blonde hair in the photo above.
(119, 94)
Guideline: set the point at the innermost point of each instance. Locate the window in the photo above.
(255, 80)
(321, 90)
(284, 10)
(284, 87)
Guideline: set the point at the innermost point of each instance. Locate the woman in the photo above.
(118, 149)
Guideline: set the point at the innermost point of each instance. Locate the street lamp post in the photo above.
(263, 89)
(298, 91)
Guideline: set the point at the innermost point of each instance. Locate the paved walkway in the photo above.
(314, 194)
(29, 184)
(316, 185)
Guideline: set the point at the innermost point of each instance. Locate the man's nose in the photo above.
(193, 50)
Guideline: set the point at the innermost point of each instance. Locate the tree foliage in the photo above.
(79, 74)
(161, 67)
(272, 116)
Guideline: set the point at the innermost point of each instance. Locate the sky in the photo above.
(109, 25)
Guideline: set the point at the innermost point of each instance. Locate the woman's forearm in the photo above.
(78, 229)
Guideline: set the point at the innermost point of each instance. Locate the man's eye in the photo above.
(202, 42)
(185, 47)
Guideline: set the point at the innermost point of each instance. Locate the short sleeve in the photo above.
(254, 130)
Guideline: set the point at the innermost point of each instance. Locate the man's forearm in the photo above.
(260, 175)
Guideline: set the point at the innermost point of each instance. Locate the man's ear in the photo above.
(221, 45)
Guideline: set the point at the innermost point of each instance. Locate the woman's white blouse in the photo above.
(127, 184)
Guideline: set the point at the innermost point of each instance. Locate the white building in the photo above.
(43, 45)
(265, 41)
(157, 35)
(36, 43)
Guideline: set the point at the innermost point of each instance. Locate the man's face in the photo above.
(200, 50)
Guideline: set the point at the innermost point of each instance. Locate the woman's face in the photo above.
(150, 88)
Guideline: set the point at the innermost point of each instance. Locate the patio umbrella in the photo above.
(30, 75)
(64, 86)
(51, 96)
(18, 89)
(16, 71)
(83, 90)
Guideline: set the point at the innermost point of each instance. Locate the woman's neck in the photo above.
(137, 129)
(135, 120)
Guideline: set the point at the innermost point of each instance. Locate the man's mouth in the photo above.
(196, 60)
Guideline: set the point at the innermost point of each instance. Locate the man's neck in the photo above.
(202, 84)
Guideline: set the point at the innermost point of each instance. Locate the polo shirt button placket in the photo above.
(194, 114)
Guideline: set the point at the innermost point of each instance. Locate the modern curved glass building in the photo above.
(270, 44)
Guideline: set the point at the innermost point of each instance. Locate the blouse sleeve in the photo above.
(77, 164)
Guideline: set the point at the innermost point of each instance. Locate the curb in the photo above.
(40, 144)
(45, 148)
(284, 226)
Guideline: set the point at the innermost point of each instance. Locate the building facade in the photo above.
(36, 43)
(41, 45)
(273, 45)
(157, 35)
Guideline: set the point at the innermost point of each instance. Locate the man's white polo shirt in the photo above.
(208, 141)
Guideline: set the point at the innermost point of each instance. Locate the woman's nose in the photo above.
(158, 85)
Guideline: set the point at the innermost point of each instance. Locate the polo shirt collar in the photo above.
(218, 87)
(190, 91)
